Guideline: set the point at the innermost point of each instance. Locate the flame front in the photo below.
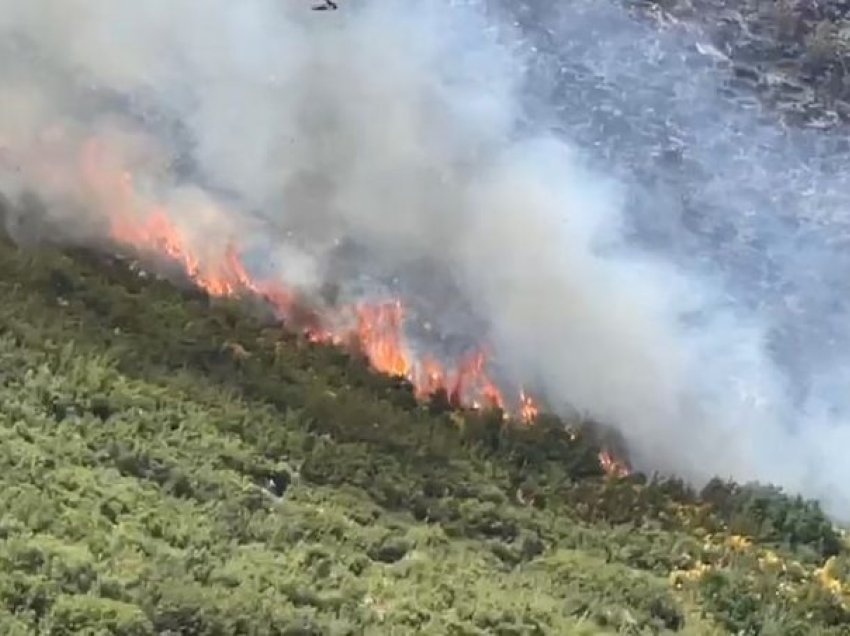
(473, 386)
(429, 378)
(378, 329)
(379, 334)
(528, 409)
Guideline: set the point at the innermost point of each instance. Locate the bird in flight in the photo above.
(327, 5)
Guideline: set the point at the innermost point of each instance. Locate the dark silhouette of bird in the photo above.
(327, 5)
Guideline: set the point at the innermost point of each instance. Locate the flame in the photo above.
(430, 378)
(378, 328)
(612, 466)
(472, 385)
(379, 334)
(528, 409)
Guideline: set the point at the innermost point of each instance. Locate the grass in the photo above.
(171, 464)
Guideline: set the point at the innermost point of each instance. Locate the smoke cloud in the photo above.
(453, 153)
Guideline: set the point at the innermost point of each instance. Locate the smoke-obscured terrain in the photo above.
(569, 185)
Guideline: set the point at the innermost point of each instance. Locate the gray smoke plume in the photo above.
(500, 166)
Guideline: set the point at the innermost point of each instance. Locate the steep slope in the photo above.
(174, 464)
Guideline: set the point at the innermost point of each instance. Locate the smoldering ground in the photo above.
(436, 139)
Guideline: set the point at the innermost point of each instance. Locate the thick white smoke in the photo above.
(401, 128)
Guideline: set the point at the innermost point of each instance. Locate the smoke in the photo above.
(483, 161)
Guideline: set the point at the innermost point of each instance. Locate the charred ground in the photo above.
(793, 54)
(176, 464)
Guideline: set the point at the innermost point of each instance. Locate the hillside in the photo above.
(792, 54)
(173, 464)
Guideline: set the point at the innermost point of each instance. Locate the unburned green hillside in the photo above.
(175, 465)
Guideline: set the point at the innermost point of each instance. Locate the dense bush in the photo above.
(772, 516)
(155, 478)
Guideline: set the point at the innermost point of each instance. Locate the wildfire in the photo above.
(473, 386)
(379, 334)
(429, 378)
(528, 410)
(378, 329)
(612, 466)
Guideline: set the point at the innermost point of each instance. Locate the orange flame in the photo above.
(612, 466)
(429, 378)
(473, 386)
(528, 409)
(379, 333)
(379, 327)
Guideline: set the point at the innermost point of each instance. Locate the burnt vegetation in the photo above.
(175, 464)
(794, 54)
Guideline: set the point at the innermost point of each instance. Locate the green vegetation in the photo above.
(175, 465)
